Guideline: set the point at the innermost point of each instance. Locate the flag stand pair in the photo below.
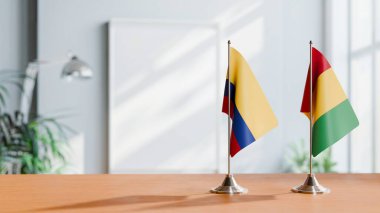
(310, 186)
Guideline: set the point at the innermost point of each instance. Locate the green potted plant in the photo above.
(297, 159)
(32, 146)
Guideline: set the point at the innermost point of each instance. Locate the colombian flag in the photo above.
(333, 116)
(251, 113)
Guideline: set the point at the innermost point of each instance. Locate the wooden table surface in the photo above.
(185, 193)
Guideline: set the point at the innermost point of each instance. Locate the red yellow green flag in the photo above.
(333, 116)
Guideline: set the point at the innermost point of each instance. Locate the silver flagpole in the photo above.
(311, 109)
(311, 185)
(229, 185)
(229, 111)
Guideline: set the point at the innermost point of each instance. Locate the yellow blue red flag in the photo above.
(251, 113)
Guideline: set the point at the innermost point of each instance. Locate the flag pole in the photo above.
(311, 185)
(311, 109)
(229, 111)
(229, 185)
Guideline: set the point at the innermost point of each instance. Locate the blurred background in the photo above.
(131, 86)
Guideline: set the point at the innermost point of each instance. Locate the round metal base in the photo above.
(311, 186)
(229, 186)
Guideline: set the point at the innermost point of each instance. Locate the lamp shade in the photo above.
(76, 68)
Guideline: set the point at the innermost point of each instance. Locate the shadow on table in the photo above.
(211, 200)
(125, 200)
(171, 201)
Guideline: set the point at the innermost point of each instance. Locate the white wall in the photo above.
(272, 34)
(352, 45)
(13, 41)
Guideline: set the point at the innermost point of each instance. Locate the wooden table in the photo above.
(185, 193)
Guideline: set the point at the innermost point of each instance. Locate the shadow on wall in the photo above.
(171, 138)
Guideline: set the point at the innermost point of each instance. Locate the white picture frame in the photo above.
(164, 96)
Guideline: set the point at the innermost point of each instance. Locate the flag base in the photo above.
(229, 186)
(311, 186)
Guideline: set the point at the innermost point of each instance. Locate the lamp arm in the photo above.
(28, 89)
(29, 83)
(39, 62)
(45, 62)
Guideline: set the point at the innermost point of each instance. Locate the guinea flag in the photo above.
(333, 116)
